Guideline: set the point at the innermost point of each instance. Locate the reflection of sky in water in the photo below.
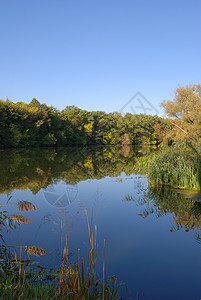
(143, 253)
(61, 194)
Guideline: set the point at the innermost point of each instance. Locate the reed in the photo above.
(18, 280)
(178, 166)
(142, 163)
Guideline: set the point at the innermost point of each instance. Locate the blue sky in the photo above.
(98, 54)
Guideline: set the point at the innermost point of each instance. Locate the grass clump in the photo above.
(178, 166)
(142, 163)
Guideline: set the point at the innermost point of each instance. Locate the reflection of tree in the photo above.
(187, 220)
(38, 168)
(159, 202)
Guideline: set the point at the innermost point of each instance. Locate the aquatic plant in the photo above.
(21, 219)
(25, 206)
(23, 279)
(178, 166)
(33, 250)
(142, 163)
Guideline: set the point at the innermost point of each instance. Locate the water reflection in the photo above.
(58, 171)
(149, 235)
(161, 201)
(37, 169)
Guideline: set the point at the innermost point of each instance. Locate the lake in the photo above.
(152, 236)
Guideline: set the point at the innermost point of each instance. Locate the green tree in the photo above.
(34, 102)
(184, 111)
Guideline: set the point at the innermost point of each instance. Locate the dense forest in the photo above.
(38, 125)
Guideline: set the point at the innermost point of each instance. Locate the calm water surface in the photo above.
(152, 236)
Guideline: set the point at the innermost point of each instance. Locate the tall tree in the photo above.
(184, 112)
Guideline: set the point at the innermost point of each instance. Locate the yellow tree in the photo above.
(88, 128)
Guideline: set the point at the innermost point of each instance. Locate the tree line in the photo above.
(38, 125)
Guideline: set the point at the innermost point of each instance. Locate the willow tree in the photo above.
(184, 112)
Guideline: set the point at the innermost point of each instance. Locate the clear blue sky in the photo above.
(98, 54)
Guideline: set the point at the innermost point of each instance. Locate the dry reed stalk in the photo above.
(25, 206)
(21, 219)
(33, 250)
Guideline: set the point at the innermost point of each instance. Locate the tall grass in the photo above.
(71, 281)
(142, 163)
(79, 282)
(178, 166)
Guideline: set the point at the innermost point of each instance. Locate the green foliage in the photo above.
(36, 125)
(184, 112)
(177, 166)
(49, 139)
(143, 162)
